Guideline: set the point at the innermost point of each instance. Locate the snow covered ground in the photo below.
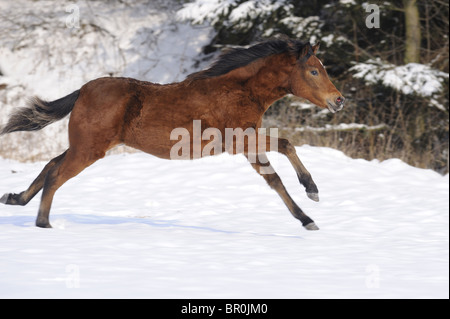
(133, 226)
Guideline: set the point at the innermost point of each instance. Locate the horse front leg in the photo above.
(268, 143)
(286, 148)
(265, 169)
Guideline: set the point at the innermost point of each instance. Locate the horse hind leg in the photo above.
(70, 166)
(24, 197)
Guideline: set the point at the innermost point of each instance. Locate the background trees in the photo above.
(395, 77)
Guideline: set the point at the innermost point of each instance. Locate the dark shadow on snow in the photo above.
(28, 221)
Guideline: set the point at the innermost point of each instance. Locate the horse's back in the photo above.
(144, 115)
(99, 116)
(112, 111)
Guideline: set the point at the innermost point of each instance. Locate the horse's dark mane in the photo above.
(239, 57)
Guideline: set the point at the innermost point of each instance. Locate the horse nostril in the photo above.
(340, 101)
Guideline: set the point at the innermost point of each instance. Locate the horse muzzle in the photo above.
(336, 105)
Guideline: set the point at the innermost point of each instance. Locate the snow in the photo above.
(304, 28)
(341, 127)
(55, 50)
(252, 9)
(241, 15)
(412, 78)
(347, 2)
(133, 225)
(200, 11)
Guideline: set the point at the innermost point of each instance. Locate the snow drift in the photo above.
(135, 226)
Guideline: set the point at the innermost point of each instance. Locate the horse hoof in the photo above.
(4, 198)
(313, 196)
(43, 224)
(311, 226)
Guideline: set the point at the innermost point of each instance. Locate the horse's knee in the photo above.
(285, 147)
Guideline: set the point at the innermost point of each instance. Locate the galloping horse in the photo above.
(232, 93)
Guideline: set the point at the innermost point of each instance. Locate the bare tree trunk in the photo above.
(413, 36)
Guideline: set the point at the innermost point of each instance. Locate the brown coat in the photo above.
(234, 93)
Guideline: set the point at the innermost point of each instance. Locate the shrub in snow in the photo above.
(412, 78)
(240, 13)
(239, 21)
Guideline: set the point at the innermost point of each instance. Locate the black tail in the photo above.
(40, 113)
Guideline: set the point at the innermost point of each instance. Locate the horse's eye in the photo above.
(314, 72)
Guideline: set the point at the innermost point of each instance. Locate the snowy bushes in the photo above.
(240, 22)
(412, 78)
(240, 15)
(366, 64)
(144, 39)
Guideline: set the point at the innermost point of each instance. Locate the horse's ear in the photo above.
(315, 47)
(305, 52)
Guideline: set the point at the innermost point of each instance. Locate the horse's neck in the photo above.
(271, 81)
